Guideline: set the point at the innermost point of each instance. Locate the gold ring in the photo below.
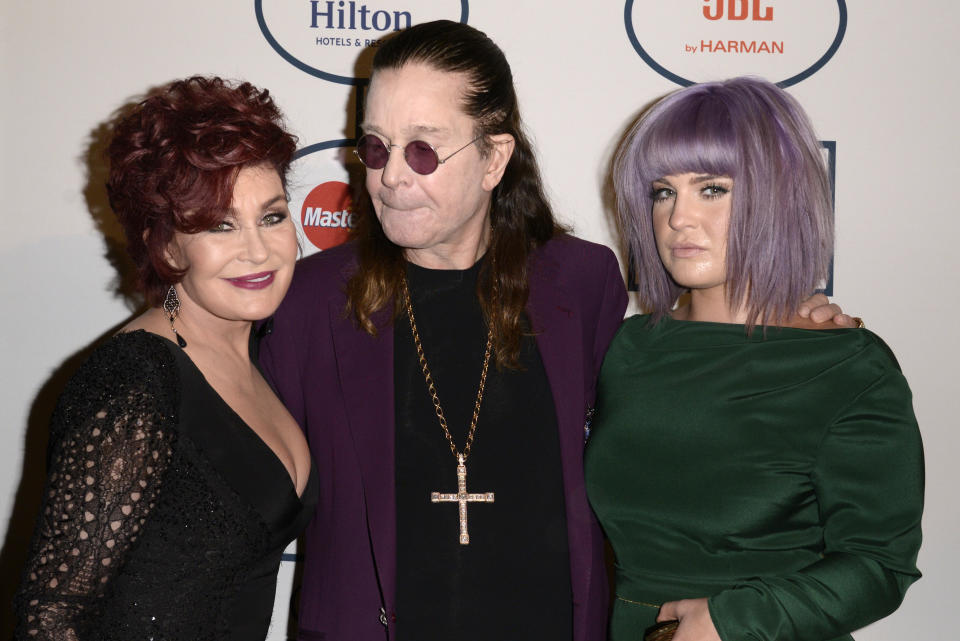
(858, 321)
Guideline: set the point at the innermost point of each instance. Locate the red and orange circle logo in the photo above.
(327, 214)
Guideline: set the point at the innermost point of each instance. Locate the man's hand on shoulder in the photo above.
(820, 310)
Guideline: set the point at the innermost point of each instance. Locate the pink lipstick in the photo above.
(253, 281)
(685, 251)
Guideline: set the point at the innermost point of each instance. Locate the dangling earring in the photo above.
(171, 305)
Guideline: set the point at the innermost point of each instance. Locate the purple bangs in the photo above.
(698, 136)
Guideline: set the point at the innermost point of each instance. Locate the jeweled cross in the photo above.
(462, 497)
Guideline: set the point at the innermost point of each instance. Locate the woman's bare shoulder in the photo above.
(153, 321)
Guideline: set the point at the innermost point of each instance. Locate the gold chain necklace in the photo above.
(461, 496)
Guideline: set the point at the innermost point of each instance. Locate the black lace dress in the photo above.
(164, 515)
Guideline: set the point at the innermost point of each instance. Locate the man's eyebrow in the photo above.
(411, 130)
(428, 129)
(367, 127)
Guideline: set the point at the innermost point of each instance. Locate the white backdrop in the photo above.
(887, 97)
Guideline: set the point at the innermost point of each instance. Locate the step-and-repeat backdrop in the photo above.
(876, 77)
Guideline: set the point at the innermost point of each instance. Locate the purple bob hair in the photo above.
(781, 224)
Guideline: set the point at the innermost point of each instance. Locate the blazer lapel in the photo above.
(558, 329)
(556, 325)
(365, 364)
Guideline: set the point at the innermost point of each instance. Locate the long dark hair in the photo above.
(520, 216)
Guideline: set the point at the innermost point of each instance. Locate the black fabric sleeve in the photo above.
(110, 446)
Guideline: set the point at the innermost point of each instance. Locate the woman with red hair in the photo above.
(176, 477)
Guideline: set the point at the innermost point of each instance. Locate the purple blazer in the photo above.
(337, 381)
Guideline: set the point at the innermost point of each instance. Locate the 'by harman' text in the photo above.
(736, 46)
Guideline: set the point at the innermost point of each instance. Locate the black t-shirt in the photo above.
(512, 581)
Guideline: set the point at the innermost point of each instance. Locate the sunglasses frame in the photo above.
(388, 147)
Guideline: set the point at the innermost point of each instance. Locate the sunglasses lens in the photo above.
(372, 152)
(421, 157)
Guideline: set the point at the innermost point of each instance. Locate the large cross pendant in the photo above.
(462, 497)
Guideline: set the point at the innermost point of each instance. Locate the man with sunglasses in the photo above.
(443, 366)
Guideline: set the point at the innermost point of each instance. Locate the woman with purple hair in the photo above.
(758, 477)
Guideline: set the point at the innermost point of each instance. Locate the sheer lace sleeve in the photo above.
(110, 445)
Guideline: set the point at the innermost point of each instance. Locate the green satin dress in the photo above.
(782, 477)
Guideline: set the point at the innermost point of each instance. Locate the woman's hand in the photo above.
(694, 617)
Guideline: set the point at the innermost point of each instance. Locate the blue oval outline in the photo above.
(669, 75)
(313, 71)
(320, 146)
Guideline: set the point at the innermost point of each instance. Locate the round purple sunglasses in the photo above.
(421, 156)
